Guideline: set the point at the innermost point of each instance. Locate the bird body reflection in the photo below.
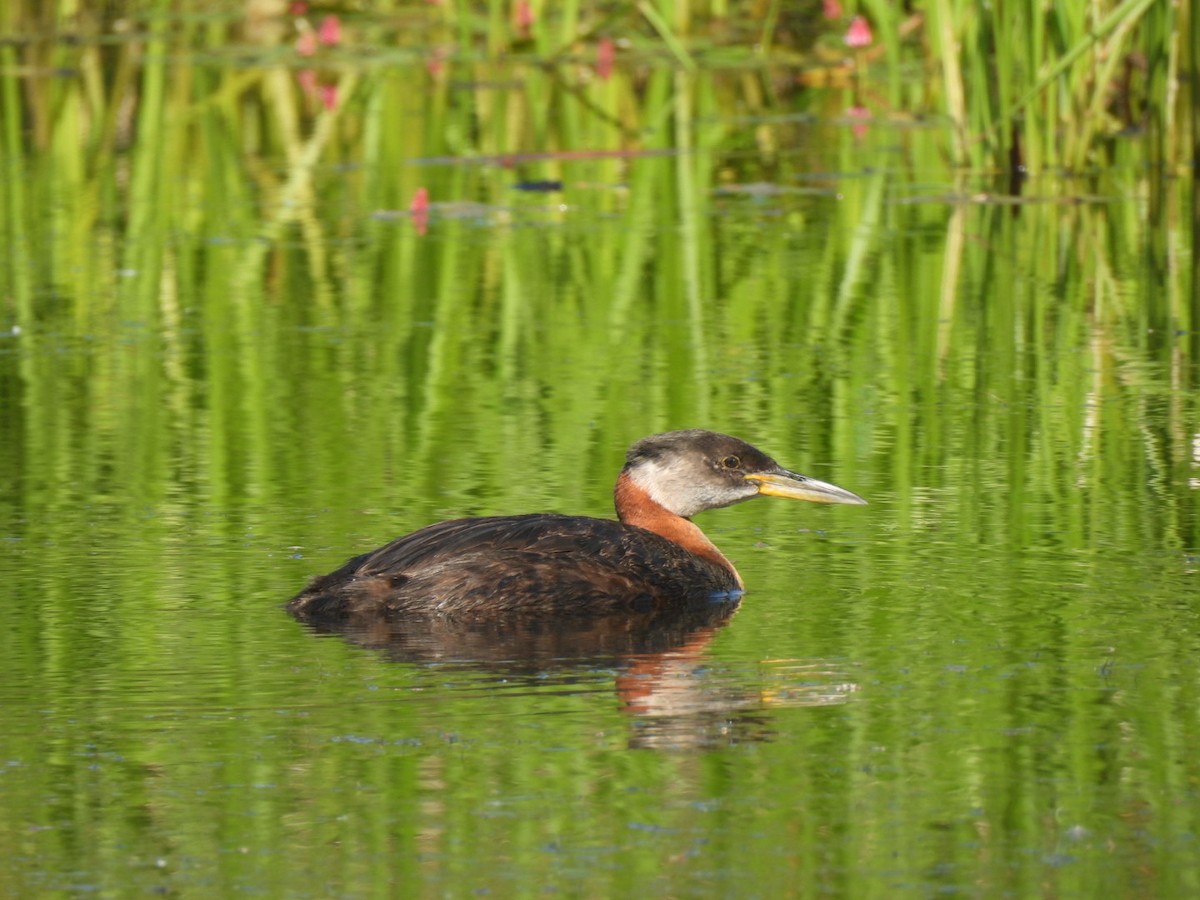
(653, 558)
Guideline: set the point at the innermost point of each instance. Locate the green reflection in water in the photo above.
(226, 369)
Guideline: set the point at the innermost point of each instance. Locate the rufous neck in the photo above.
(636, 507)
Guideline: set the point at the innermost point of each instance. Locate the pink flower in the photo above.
(435, 64)
(298, 8)
(307, 79)
(606, 55)
(419, 210)
(860, 116)
(306, 44)
(859, 33)
(329, 96)
(831, 9)
(330, 32)
(524, 16)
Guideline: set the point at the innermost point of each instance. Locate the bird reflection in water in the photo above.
(675, 693)
(533, 593)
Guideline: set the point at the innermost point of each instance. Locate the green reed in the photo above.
(1044, 87)
(232, 333)
(233, 320)
(245, 210)
(1054, 87)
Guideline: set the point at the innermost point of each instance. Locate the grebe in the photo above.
(654, 557)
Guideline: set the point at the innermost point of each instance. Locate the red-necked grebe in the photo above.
(654, 557)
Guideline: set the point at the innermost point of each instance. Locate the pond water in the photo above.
(230, 359)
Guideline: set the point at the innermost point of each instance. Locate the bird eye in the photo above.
(731, 462)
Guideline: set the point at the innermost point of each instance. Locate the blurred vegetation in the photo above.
(270, 283)
(1021, 86)
(222, 177)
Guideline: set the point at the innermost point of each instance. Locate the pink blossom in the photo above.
(329, 96)
(307, 79)
(435, 64)
(859, 33)
(419, 210)
(831, 9)
(606, 55)
(306, 44)
(524, 16)
(860, 116)
(330, 32)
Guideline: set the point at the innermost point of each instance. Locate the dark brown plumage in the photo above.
(653, 558)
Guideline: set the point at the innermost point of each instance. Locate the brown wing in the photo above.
(516, 564)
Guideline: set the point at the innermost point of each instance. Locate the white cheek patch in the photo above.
(667, 486)
(674, 487)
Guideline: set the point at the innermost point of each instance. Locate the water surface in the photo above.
(983, 683)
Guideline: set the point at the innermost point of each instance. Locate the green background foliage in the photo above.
(232, 355)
